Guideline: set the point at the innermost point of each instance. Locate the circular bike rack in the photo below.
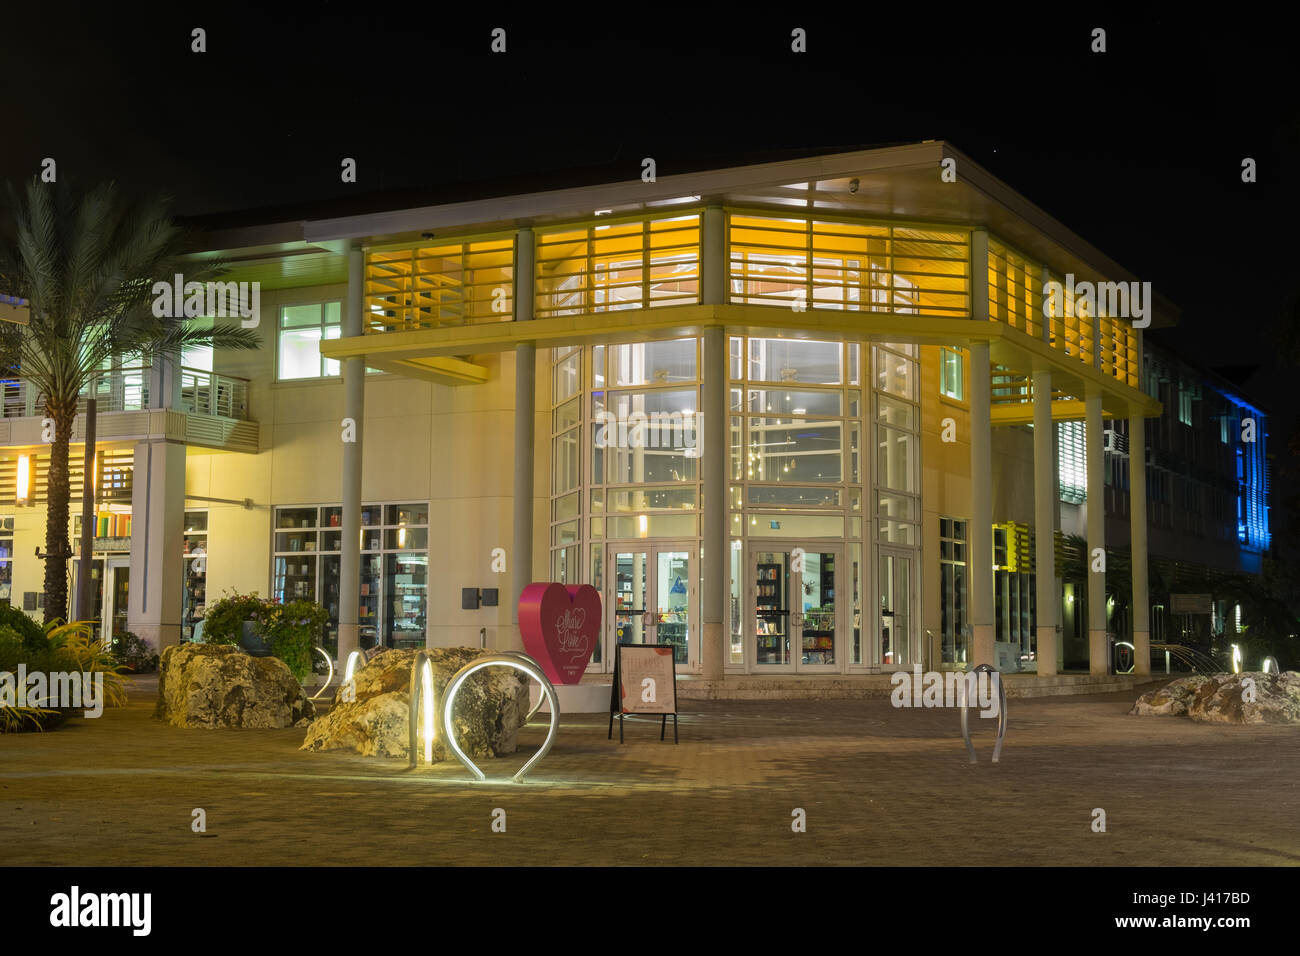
(329, 662)
(520, 662)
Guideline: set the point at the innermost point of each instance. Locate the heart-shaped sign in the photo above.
(560, 625)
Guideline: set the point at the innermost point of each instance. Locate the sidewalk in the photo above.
(879, 786)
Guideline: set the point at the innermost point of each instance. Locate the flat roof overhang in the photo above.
(898, 183)
(440, 354)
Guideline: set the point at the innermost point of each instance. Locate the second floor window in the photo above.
(950, 374)
(302, 327)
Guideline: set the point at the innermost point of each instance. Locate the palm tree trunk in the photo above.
(57, 492)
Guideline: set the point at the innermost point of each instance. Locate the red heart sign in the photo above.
(560, 625)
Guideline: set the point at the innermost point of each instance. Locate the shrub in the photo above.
(223, 621)
(290, 629)
(31, 633)
(134, 653)
(293, 629)
(64, 647)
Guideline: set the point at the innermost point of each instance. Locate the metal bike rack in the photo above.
(521, 662)
(540, 697)
(1002, 715)
(329, 661)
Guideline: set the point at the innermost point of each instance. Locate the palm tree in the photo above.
(87, 265)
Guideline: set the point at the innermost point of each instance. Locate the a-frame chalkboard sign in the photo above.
(645, 682)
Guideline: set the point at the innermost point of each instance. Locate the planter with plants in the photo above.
(264, 627)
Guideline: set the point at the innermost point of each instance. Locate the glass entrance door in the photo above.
(116, 587)
(795, 621)
(653, 595)
(898, 646)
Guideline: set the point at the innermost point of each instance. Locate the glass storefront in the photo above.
(393, 600)
(817, 432)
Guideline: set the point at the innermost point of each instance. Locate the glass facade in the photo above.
(393, 606)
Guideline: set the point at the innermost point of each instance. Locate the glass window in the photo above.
(794, 451)
(951, 380)
(896, 459)
(795, 360)
(650, 363)
(895, 375)
(302, 327)
(952, 591)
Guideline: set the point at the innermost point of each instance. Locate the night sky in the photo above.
(1138, 149)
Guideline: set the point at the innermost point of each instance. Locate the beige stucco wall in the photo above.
(452, 446)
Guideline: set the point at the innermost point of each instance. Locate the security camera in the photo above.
(853, 185)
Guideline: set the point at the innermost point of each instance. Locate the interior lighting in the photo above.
(24, 478)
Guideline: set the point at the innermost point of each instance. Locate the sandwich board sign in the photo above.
(645, 682)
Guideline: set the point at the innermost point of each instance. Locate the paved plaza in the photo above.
(879, 786)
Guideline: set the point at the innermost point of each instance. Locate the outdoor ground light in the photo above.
(520, 662)
(422, 726)
(1273, 662)
(1236, 658)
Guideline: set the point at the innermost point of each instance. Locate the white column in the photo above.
(521, 548)
(1137, 503)
(354, 407)
(1048, 597)
(981, 511)
(1098, 652)
(715, 564)
(157, 542)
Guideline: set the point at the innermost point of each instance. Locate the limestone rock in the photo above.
(1172, 699)
(1220, 699)
(489, 709)
(209, 685)
(1277, 700)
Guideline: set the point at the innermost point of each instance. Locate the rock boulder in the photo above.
(212, 685)
(1223, 698)
(1172, 699)
(1277, 700)
(490, 708)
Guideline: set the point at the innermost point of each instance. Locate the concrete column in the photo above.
(713, 257)
(354, 408)
(165, 381)
(157, 541)
(1058, 585)
(521, 548)
(525, 413)
(981, 510)
(1137, 504)
(715, 563)
(1047, 596)
(1094, 441)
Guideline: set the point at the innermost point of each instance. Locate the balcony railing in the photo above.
(126, 389)
(207, 393)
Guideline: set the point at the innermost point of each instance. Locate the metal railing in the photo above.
(207, 393)
(126, 389)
